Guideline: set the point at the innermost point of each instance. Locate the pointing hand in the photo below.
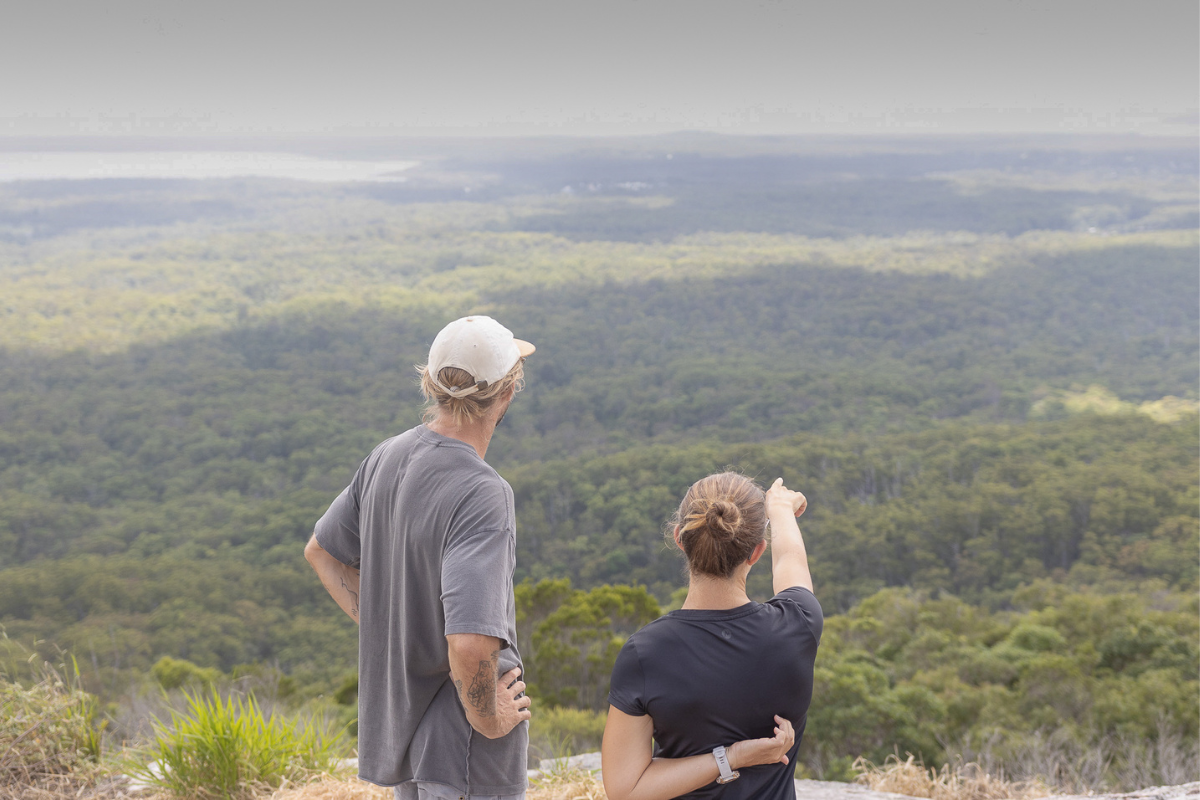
(780, 497)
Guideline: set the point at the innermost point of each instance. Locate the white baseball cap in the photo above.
(479, 345)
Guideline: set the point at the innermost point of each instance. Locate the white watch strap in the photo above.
(723, 762)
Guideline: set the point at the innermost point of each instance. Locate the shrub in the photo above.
(347, 692)
(173, 673)
(556, 732)
(229, 748)
(49, 733)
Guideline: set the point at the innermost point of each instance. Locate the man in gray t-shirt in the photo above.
(420, 549)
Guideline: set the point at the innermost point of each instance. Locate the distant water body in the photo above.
(49, 166)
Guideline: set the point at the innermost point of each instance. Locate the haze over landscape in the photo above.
(474, 68)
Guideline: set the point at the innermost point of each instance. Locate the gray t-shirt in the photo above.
(431, 527)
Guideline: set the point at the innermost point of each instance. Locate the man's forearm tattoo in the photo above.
(353, 595)
(481, 694)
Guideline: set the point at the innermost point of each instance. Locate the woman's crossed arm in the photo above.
(630, 773)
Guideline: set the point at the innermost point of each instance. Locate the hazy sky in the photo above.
(600, 67)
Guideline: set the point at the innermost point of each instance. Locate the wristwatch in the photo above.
(727, 775)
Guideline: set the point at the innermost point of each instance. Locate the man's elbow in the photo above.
(313, 551)
(472, 648)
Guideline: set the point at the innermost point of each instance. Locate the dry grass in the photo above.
(67, 787)
(50, 740)
(566, 784)
(560, 785)
(965, 782)
(1107, 764)
(328, 787)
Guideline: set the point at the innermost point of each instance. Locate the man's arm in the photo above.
(340, 580)
(490, 699)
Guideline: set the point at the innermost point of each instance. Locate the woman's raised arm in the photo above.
(789, 559)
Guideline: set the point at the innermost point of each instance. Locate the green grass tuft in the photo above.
(229, 748)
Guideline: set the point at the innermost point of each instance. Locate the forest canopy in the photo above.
(980, 366)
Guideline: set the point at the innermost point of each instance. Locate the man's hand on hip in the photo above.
(490, 700)
(512, 704)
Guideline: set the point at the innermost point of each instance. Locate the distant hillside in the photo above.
(978, 358)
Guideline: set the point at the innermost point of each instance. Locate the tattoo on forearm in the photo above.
(353, 596)
(481, 694)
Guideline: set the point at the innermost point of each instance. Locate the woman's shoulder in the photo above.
(796, 594)
(800, 603)
(664, 632)
(652, 630)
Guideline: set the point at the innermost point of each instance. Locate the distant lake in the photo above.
(43, 166)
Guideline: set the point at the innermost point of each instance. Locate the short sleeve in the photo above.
(477, 583)
(627, 687)
(337, 530)
(806, 603)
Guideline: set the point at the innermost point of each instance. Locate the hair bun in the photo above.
(722, 518)
(719, 523)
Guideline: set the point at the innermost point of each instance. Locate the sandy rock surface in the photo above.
(833, 790)
(827, 790)
(1180, 792)
(588, 761)
(813, 790)
(805, 790)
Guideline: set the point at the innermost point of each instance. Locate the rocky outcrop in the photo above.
(832, 790)
(1188, 791)
(828, 790)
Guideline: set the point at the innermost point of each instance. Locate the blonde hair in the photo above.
(721, 520)
(464, 410)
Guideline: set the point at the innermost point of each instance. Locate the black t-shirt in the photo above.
(710, 678)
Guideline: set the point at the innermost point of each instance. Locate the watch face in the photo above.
(733, 776)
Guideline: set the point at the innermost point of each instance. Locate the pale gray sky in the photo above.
(601, 67)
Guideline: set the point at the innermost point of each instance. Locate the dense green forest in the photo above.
(1060, 684)
(979, 362)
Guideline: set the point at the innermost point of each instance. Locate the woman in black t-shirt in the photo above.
(722, 685)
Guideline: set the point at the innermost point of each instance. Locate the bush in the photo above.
(229, 748)
(557, 732)
(173, 673)
(49, 733)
